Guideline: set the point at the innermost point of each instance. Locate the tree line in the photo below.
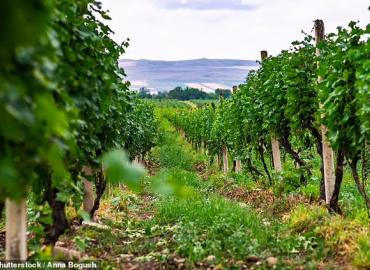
(187, 93)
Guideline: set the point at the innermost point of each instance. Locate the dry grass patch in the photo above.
(349, 239)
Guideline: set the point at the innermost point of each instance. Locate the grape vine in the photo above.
(64, 105)
(282, 100)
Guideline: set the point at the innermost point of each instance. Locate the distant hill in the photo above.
(165, 75)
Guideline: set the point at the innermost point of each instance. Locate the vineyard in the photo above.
(274, 177)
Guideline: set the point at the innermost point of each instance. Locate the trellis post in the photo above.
(238, 163)
(225, 159)
(16, 230)
(88, 200)
(328, 153)
(275, 145)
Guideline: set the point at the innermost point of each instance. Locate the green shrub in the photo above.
(311, 190)
(287, 181)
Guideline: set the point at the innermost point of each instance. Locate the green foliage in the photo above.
(140, 130)
(81, 243)
(344, 92)
(205, 102)
(169, 103)
(64, 103)
(282, 100)
(287, 182)
(211, 227)
(343, 236)
(119, 169)
(311, 190)
(179, 93)
(304, 218)
(176, 182)
(225, 93)
(173, 152)
(187, 94)
(197, 125)
(173, 156)
(16, 27)
(35, 130)
(362, 255)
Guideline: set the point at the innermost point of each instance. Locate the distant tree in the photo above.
(144, 93)
(161, 95)
(188, 94)
(182, 94)
(212, 96)
(225, 93)
(176, 93)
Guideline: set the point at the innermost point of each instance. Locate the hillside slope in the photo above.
(165, 75)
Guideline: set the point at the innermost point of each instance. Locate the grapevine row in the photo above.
(64, 105)
(308, 104)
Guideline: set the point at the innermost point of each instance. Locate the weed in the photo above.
(214, 226)
(306, 218)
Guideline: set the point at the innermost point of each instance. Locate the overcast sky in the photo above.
(232, 29)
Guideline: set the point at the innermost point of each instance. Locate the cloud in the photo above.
(161, 33)
(205, 4)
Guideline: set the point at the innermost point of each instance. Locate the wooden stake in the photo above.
(219, 161)
(109, 187)
(225, 159)
(89, 195)
(264, 55)
(274, 142)
(238, 164)
(238, 167)
(328, 153)
(276, 154)
(16, 235)
(201, 148)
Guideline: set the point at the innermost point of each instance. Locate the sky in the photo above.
(223, 29)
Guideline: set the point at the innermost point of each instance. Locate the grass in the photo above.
(208, 229)
(214, 227)
(169, 103)
(173, 151)
(211, 230)
(347, 238)
(202, 102)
